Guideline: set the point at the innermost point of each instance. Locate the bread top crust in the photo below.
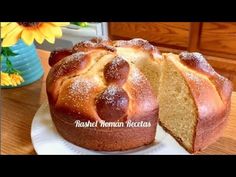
(196, 61)
(211, 91)
(59, 54)
(95, 83)
(139, 44)
(136, 48)
(95, 43)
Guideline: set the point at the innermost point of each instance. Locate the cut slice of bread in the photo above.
(178, 112)
(192, 109)
(193, 98)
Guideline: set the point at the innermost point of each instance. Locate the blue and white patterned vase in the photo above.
(26, 61)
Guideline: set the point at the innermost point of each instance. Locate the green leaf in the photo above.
(8, 63)
(6, 51)
(10, 69)
(15, 71)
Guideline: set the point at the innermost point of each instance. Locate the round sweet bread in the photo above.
(96, 84)
(121, 81)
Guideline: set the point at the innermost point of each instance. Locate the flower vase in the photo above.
(26, 61)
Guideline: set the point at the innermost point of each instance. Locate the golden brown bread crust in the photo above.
(211, 93)
(116, 71)
(84, 46)
(94, 43)
(113, 107)
(58, 55)
(197, 62)
(69, 67)
(71, 88)
(95, 84)
(139, 44)
(108, 139)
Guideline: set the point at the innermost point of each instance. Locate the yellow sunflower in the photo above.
(11, 32)
(11, 79)
(5, 79)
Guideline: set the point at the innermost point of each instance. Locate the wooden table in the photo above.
(20, 104)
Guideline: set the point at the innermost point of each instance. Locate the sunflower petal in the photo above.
(56, 31)
(12, 37)
(8, 28)
(50, 39)
(38, 36)
(60, 23)
(45, 29)
(16, 79)
(5, 79)
(27, 36)
(4, 23)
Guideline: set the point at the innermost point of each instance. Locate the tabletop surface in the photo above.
(19, 106)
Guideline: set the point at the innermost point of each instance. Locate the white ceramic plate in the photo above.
(46, 140)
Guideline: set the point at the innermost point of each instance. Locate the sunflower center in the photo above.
(29, 24)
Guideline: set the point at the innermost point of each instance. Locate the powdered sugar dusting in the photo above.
(114, 67)
(87, 45)
(77, 94)
(74, 56)
(117, 61)
(81, 87)
(110, 96)
(111, 90)
(221, 79)
(66, 63)
(199, 61)
(116, 71)
(136, 76)
(193, 77)
(195, 55)
(136, 42)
